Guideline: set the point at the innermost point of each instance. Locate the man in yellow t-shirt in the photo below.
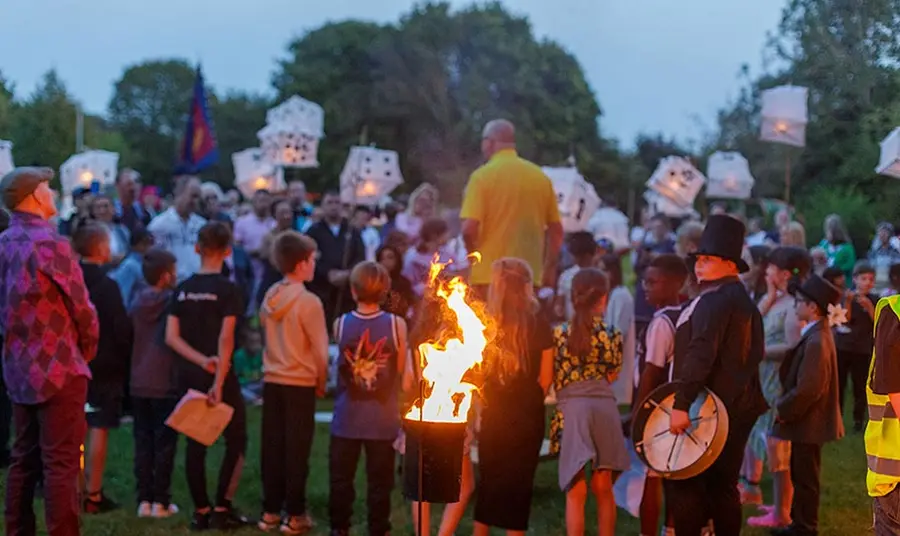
(510, 210)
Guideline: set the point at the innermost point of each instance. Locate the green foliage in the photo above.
(856, 209)
(847, 54)
(332, 66)
(6, 108)
(149, 107)
(43, 126)
(238, 117)
(426, 86)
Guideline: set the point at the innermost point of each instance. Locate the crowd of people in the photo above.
(126, 304)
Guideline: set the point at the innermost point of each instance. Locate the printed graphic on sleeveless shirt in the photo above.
(366, 362)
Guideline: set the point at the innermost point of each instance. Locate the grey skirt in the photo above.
(592, 435)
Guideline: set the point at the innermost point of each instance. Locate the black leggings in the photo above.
(235, 436)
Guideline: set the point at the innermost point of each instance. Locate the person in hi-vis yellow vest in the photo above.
(883, 430)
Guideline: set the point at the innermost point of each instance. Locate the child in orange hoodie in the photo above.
(295, 367)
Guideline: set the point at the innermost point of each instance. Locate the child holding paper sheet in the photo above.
(200, 328)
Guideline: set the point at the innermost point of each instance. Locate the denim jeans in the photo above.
(154, 448)
(48, 435)
(887, 514)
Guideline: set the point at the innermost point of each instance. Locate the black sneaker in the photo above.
(99, 506)
(200, 521)
(229, 519)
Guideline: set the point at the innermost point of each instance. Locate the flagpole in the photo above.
(79, 129)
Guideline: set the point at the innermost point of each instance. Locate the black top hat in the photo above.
(818, 291)
(723, 237)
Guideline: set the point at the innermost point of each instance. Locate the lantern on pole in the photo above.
(292, 133)
(6, 158)
(784, 115)
(369, 175)
(576, 198)
(890, 155)
(90, 169)
(729, 176)
(253, 172)
(677, 180)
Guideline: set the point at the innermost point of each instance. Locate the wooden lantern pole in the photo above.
(787, 177)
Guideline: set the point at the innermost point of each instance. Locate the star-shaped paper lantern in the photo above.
(677, 180)
(253, 172)
(85, 169)
(6, 158)
(889, 164)
(369, 175)
(576, 198)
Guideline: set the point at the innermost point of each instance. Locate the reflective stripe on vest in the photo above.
(883, 430)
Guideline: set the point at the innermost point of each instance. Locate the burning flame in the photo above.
(87, 177)
(260, 183)
(448, 398)
(781, 127)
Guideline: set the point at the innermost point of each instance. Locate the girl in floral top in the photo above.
(588, 360)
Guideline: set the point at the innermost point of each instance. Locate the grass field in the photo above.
(845, 506)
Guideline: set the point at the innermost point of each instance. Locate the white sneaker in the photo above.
(161, 512)
(144, 509)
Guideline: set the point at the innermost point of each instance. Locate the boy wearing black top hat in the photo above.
(718, 346)
(808, 412)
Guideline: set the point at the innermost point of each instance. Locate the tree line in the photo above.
(423, 86)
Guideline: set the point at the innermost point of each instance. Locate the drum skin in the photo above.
(683, 456)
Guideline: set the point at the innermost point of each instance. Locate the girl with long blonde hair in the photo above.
(518, 371)
(423, 205)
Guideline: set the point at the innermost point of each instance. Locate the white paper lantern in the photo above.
(286, 145)
(784, 115)
(6, 158)
(890, 155)
(84, 169)
(678, 180)
(576, 197)
(658, 204)
(253, 172)
(369, 175)
(610, 224)
(729, 176)
(305, 117)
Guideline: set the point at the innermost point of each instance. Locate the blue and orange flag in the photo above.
(199, 149)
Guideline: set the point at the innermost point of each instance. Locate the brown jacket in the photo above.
(808, 411)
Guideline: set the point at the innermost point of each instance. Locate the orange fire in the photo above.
(448, 397)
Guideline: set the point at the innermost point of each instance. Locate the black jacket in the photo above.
(335, 254)
(809, 411)
(719, 343)
(116, 337)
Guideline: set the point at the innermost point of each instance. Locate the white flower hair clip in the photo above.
(837, 315)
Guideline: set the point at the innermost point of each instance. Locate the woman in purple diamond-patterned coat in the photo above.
(50, 334)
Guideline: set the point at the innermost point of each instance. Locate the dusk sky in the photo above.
(655, 65)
